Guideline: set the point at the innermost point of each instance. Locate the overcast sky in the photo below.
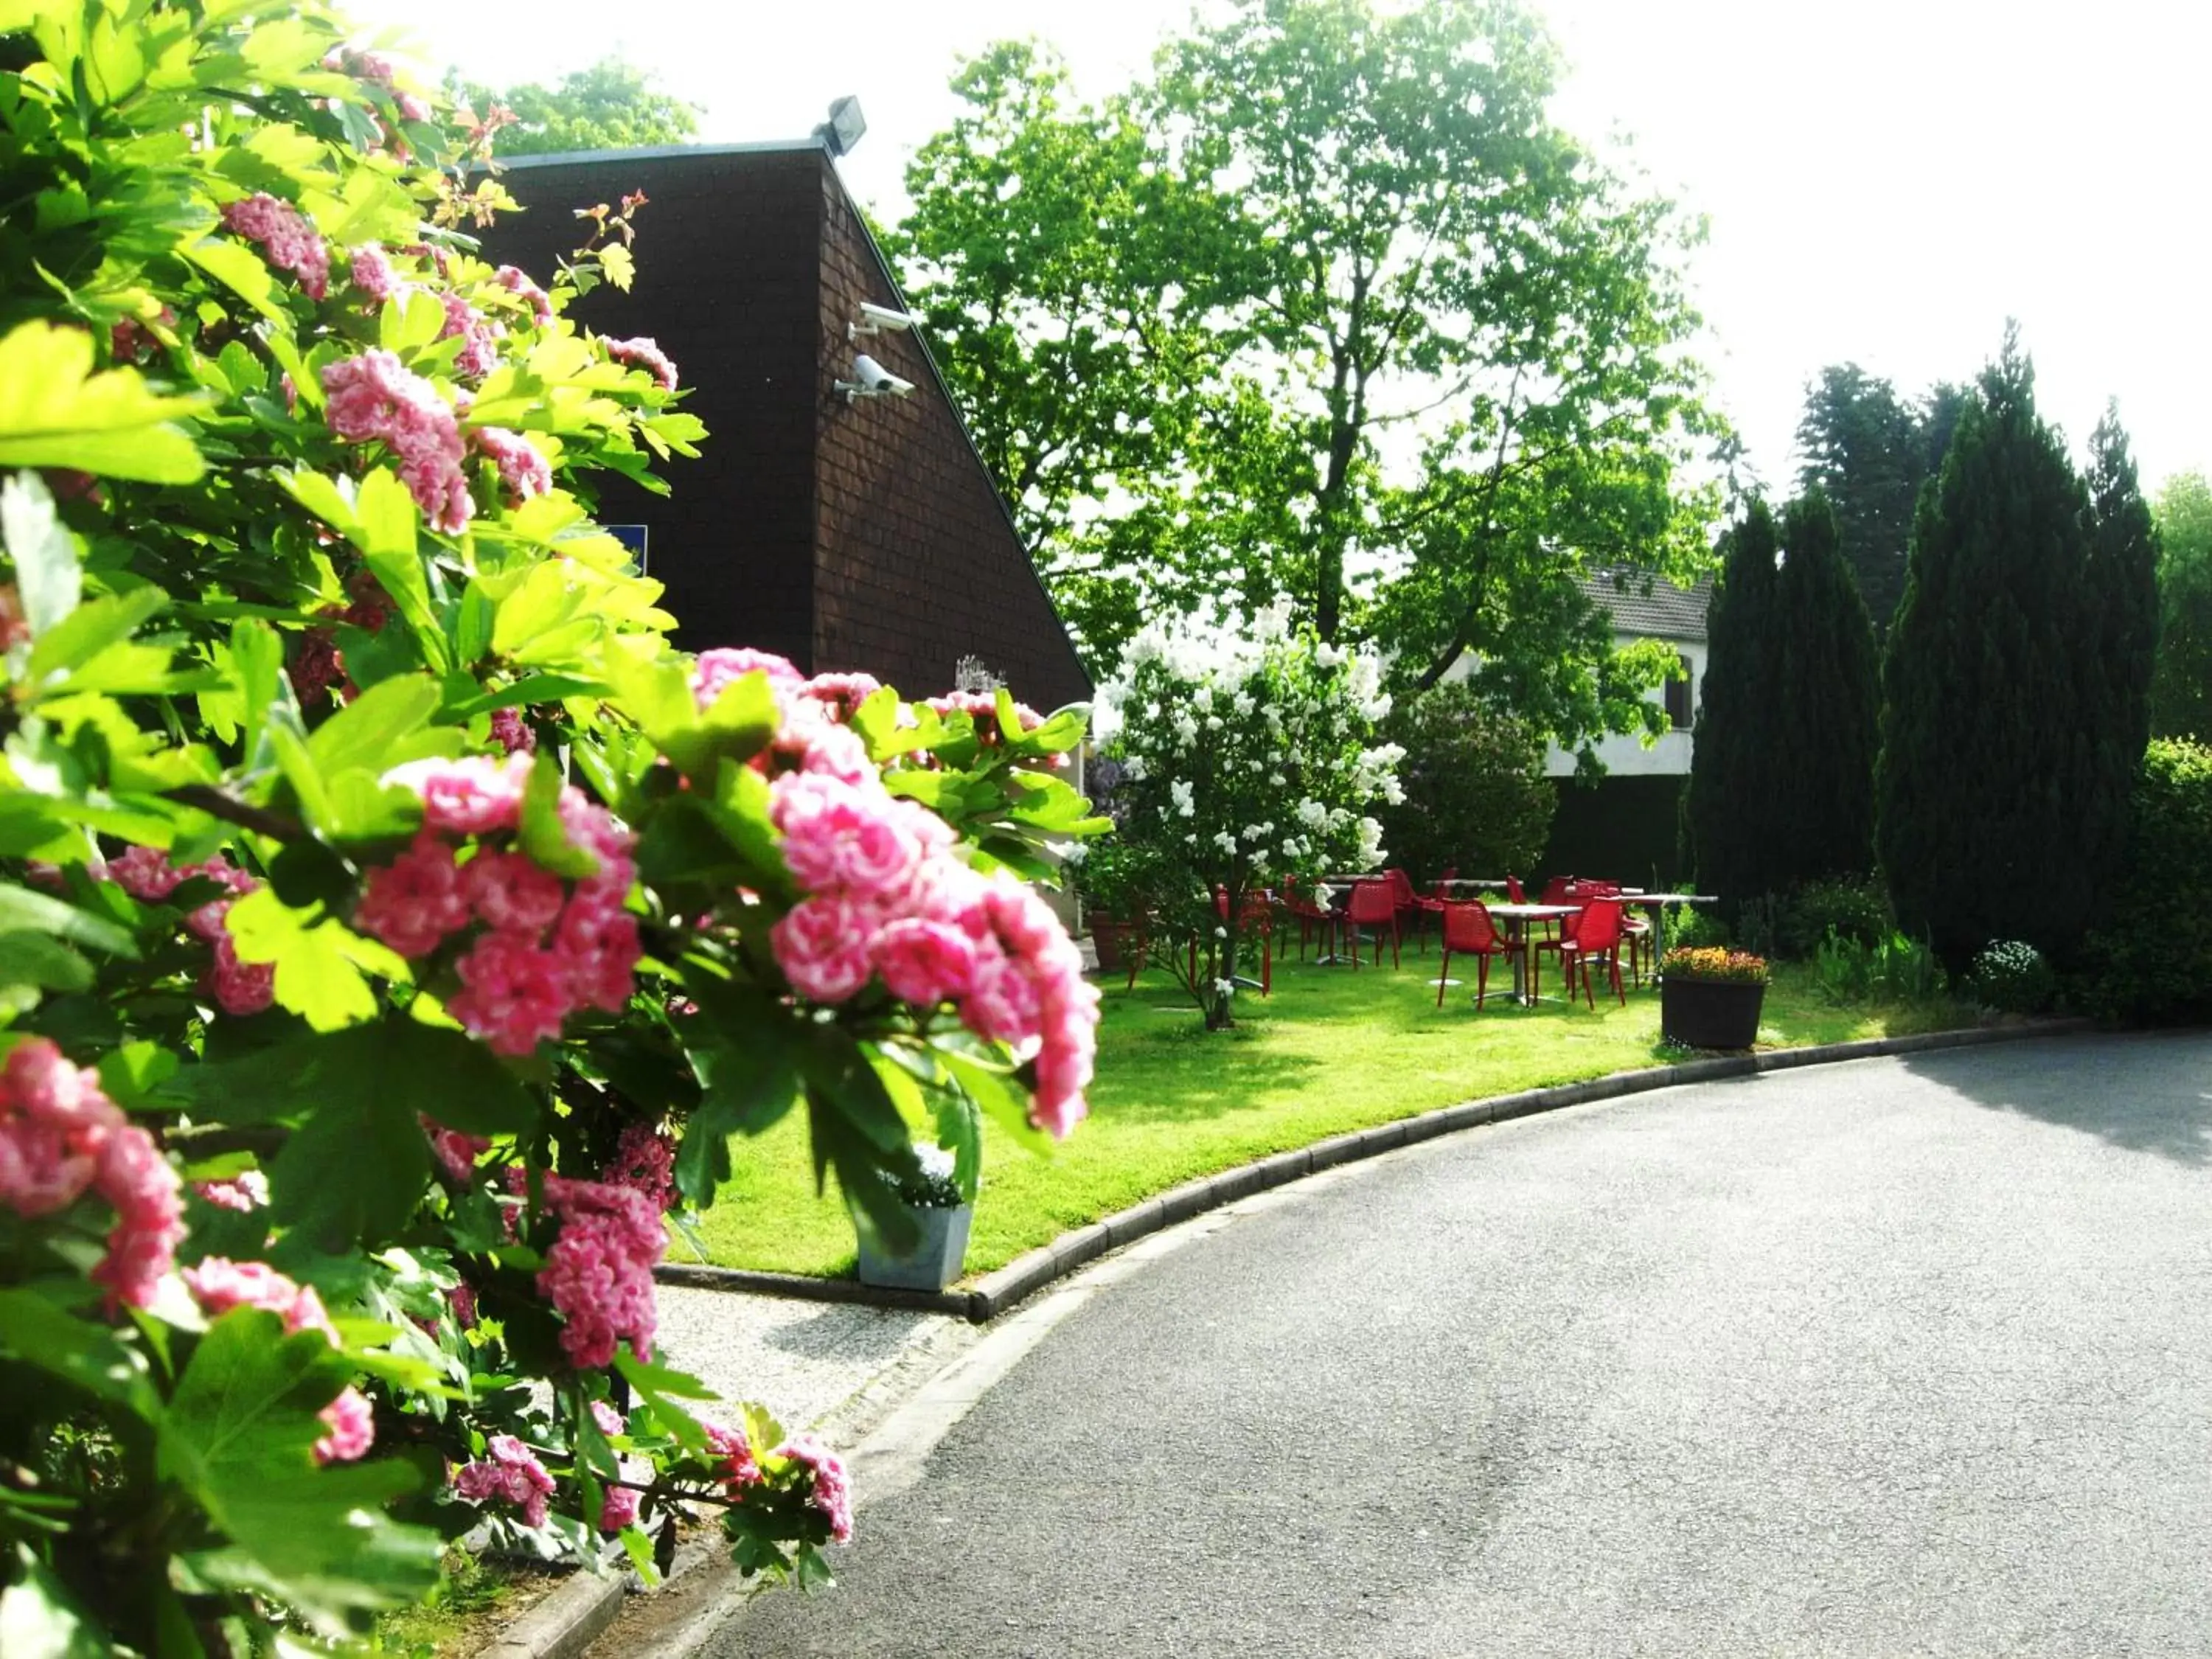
(1886, 180)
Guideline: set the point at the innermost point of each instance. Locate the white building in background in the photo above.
(1676, 616)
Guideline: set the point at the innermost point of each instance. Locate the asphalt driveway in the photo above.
(1900, 1357)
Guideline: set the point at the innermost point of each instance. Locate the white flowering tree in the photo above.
(1248, 754)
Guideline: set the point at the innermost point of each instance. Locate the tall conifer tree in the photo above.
(1989, 794)
(1730, 766)
(1823, 728)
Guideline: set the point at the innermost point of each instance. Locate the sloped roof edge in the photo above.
(1667, 612)
(918, 336)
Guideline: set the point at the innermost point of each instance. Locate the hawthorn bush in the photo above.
(393, 927)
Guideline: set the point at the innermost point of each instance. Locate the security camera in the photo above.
(879, 319)
(871, 379)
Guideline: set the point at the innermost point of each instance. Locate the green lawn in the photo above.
(1332, 1050)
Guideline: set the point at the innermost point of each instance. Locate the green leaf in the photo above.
(39, 1620)
(657, 1383)
(91, 628)
(130, 1074)
(321, 496)
(367, 730)
(48, 573)
(321, 966)
(750, 1079)
(22, 910)
(541, 834)
(239, 1435)
(994, 1088)
(32, 959)
(93, 1358)
(356, 1162)
(55, 412)
(960, 1132)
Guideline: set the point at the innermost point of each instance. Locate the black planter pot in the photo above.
(1710, 1013)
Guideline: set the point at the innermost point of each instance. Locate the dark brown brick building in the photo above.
(859, 536)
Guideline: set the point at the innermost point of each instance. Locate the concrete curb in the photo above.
(565, 1621)
(994, 1292)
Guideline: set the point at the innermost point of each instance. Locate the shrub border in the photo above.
(996, 1292)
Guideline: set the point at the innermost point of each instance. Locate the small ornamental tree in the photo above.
(1247, 757)
(1818, 804)
(1475, 794)
(1735, 740)
(393, 927)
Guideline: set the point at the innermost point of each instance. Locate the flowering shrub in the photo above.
(1247, 757)
(2012, 977)
(393, 929)
(1714, 963)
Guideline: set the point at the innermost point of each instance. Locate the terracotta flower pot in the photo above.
(1704, 1013)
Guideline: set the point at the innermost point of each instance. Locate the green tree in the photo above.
(612, 104)
(1823, 725)
(1409, 247)
(2117, 621)
(1476, 795)
(1993, 816)
(1870, 451)
(1731, 766)
(2181, 685)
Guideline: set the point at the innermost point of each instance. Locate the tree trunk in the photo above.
(1220, 1006)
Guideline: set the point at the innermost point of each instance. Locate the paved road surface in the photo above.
(1904, 1357)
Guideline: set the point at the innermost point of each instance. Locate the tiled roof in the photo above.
(1663, 612)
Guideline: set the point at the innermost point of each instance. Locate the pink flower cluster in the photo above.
(515, 283)
(368, 267)
(60, 1137)
(888, 898)
(219, 1284)
(373, 397)
(735, 1465)
(831, 1490)
(645, 1158)
(286, 237)
(982, 707)
(644, 353)
(599, 1272)
(479, 340)
(318, 664)
(456, 1153)
(512, 732)
(546, 950)
(510, 1473)
(524, 471)
(376, 69)
(238, 987)
(242, 1194)
(618, 1508)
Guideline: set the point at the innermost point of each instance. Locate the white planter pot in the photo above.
(935, 1262)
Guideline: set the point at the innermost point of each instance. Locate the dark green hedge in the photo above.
(2149, 960)
(1626, 829)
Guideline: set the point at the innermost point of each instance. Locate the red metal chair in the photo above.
(1433, 903)
(1468, 930)
(1547, 933)
(1309, 914)
(1373, 905)
(1402, 894)
(1256, 916)
(1595, 934)
(1513, 893)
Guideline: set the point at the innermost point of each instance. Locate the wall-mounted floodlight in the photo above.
(871, 379)
(879, 319)
(844, 127)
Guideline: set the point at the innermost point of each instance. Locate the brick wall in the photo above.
(917, 565)
(863, 536)
(726, 283)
